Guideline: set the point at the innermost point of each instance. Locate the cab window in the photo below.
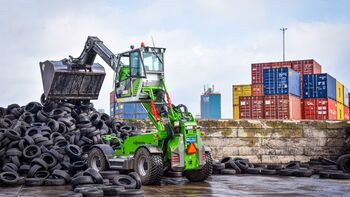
(136, 68)
(153, 61)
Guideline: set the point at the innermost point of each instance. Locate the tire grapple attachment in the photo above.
(61, 81)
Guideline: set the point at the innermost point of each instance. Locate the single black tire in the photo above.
(203, 173)
(242, 165)
(42, 174)
(226, 161)
(61, 174)
(40, 162)
(92, 192)
(54, 182)
(228, 171)
(71, 194)
(170, 173)
(218, 166)
(286, 172)
(254, 170)
(303, 172)
(98, 179)
(293, 166)
(131, 193)
(124, 181)
(79, 166)
(33, 169)
(148, 166)
(49, 159)
(73, 151)
(343, 163)
(97, 160)
(339, 175)
(111, 190)
(9, 178)
(137, 178)
(324, 175)
(81, 180)
(234, 166)
(34, 182)
(275, 167)
(32, 151)
(109, 175)
(268, 172)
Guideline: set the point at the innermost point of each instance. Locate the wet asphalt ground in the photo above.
(234, 185)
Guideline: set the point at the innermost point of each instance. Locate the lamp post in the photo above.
(284, 47)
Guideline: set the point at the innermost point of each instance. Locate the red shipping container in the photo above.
(346, 113)
(257, 90)
(283, 106)
(257, 107)
(112, 98)
(257, 72)
(245, 108)
(320, 109)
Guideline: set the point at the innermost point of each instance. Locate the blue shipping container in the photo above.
(319, 86)
(211, 106)
(281, 81)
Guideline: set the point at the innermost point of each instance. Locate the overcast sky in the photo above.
(207, 41)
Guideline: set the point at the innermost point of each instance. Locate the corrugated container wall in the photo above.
(257, 90)
(251, 107)
(346, 113)
(245, 108)
(285, 106)
(339, 92)
(257, 103)
(237, 91)
(304, 67)
(319, 86)
(340, 111)
(320, 109)
(346, 96)
(281, 81)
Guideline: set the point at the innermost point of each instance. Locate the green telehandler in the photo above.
(176, 144)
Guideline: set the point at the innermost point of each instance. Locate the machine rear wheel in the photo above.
(149, 166)
(97, 160)
(203, 173)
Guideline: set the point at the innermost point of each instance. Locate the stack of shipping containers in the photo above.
(126, 110)
(292, 90)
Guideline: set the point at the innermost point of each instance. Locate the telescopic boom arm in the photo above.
(93, 46)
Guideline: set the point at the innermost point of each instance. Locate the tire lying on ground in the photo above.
(125, 181)
(228, 171)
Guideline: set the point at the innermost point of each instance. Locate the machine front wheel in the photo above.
(203, 173)
(97, 160)
(149, 166)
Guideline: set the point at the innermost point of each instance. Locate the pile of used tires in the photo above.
(45, 144)
(325, 168)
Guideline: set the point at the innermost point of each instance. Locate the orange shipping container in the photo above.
(257, 90)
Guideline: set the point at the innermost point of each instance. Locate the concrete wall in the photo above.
(271, 141)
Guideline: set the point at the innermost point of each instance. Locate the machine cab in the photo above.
(138, 71)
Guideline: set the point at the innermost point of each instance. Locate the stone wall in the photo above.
(271, 141)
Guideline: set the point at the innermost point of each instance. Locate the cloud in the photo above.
(208, 42)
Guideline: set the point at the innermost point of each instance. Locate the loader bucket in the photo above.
(60, 82)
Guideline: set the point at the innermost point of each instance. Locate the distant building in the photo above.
(101, 110)
(126, 110)
(210, 104)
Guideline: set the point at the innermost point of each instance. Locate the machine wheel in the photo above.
(97, 160)
(203, 173)
(148, 166)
